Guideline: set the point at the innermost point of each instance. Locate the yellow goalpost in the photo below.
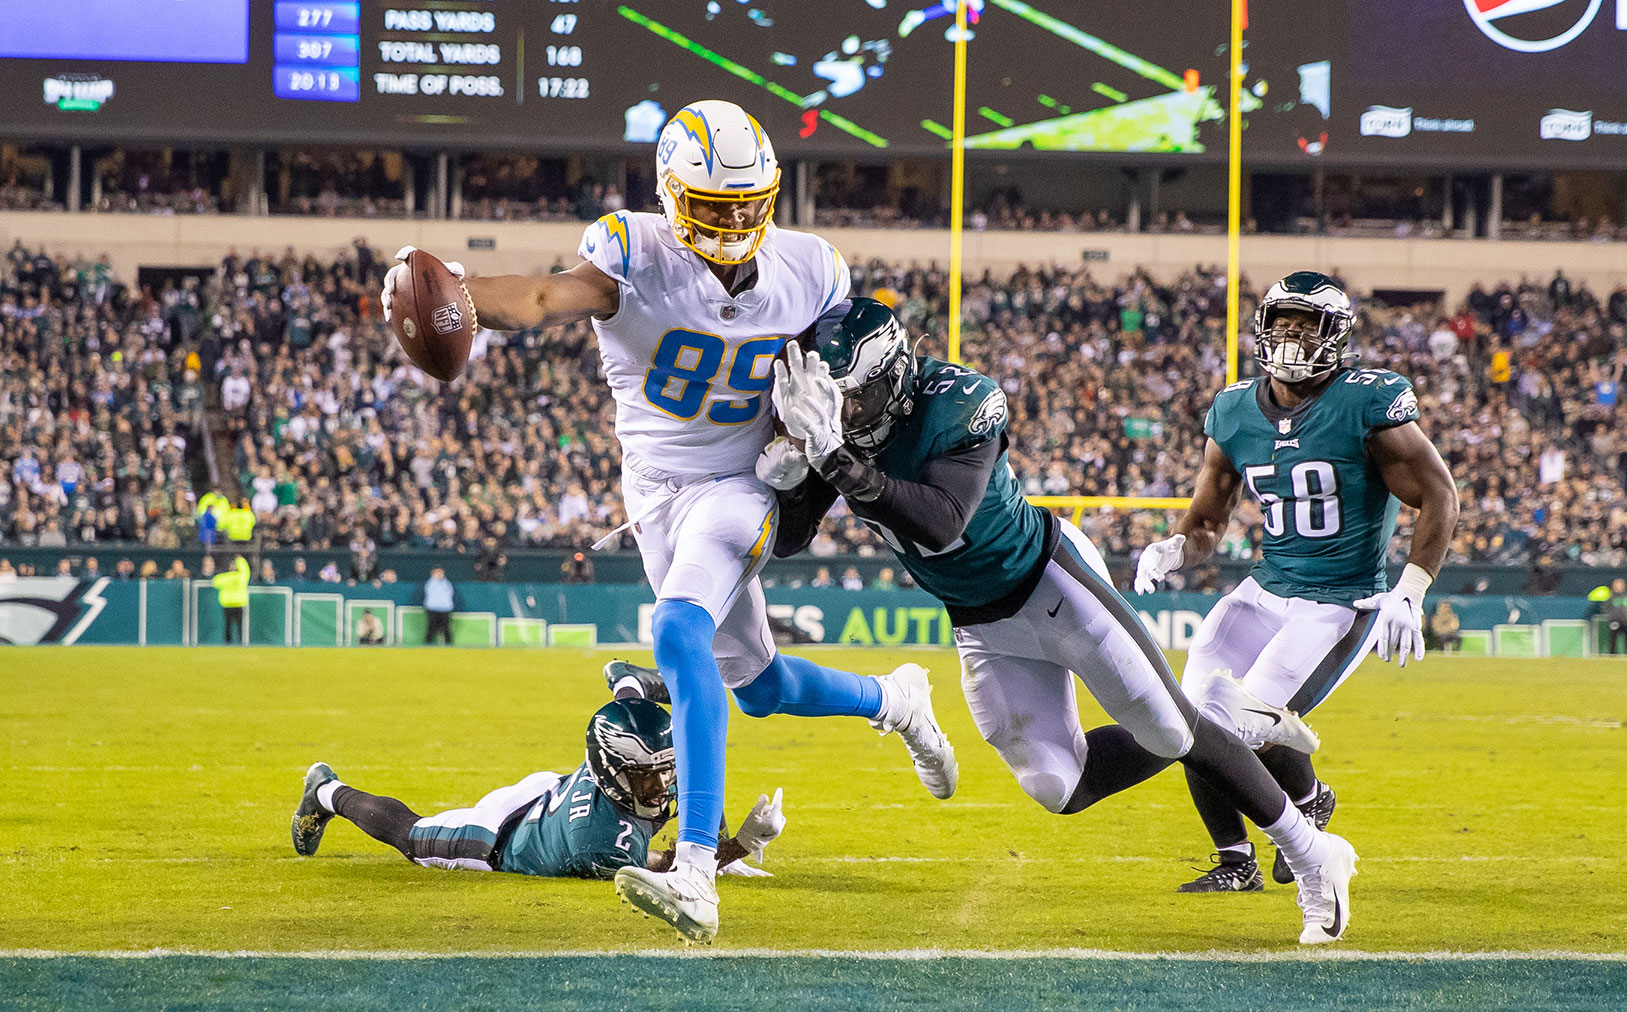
(1234, 188)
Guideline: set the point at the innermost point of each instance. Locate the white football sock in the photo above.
(324, 795)
(1243, 850)
(1307, 799)
(628, 682)
(701, 858)
(892, 703)
(1297, 837)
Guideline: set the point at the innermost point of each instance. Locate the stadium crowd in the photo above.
(339, 442)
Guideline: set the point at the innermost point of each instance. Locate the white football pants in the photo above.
(1015, 674)
(704, 540)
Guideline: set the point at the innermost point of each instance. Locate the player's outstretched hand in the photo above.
(781, 465)
(1400, 625)
(397, 275)
(763, 824)
(808, 402)
(1158, 560)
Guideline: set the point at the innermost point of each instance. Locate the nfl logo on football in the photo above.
(447, 318)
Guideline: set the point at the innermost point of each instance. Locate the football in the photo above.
(433, 316)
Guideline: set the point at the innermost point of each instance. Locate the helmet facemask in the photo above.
(724, 226)
(871, 405)
(1302, 328)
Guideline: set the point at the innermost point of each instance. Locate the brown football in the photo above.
(433, 316)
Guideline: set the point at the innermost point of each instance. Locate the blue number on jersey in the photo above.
(687, 362)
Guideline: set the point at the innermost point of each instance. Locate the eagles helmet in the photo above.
(630, 754)
(717, 178)
(873, 364)
(1296, 354)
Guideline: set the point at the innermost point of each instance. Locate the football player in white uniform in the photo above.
(690, 307)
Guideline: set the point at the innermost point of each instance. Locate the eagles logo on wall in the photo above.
(48, 609)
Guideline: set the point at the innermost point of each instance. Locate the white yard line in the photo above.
(1079, 955)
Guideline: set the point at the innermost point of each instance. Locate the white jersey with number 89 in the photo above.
(691, 367)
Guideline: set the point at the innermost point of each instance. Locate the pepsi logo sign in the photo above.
(1500, 21)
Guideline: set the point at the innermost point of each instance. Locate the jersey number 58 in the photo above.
(1316, 499)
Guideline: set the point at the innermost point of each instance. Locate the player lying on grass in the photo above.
(588, 824)
(1329, 452)
(689, 308)
(917, 447)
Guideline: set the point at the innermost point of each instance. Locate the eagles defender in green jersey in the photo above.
(586, 824)
(917, 447)
(1330, 453)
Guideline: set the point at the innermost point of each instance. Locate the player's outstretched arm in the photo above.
(517, 302)
(1414, 473)
(1213, 500)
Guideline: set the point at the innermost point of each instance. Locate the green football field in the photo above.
(148, 795)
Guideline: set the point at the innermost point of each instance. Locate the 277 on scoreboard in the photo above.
(318, 51)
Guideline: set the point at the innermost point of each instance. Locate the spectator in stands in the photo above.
(369, 630)
(1444, 626)
(268, 571)
(8, 573)
(438, 604)
(149, 570)
(577, 569)
(125, 570)
(91, 570)
(822, 578)
(851, 580)
(884, 580)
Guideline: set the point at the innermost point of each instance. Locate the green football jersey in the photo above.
(577, 831)
(1328, 514)
(956, 409)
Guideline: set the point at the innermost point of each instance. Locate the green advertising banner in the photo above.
(187, 612)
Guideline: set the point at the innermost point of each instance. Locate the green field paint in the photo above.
(994, 117)
(746, 74)
(1106, 50)
(932, 126)
(1108, 91)
(1051, 103)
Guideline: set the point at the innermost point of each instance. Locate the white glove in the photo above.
(394, 275)
(744, 870)
(762, 825)
(781, 465)
(1158, 560)
(1400, 616)
(808, 402)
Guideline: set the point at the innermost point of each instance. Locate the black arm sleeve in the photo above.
(801, 510)
(934, 511)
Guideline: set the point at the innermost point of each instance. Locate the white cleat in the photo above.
(1324, 895)
(1258, 722)
(685, 898)
(907, 708)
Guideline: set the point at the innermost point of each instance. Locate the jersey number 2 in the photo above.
(1316, 499)
(686, 364)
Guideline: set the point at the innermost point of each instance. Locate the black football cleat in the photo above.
(649, 680)
(1231, 874)
(310, 820)
(1320, 811)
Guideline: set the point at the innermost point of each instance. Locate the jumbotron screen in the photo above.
(1480, 82)
(834, 75)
